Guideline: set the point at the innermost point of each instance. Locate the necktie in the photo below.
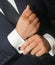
(9, 11)
(21, 5)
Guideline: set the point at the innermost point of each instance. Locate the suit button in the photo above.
(5, 60)
(8, 57)
(2, 62)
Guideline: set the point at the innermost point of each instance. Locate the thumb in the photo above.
(28, 7)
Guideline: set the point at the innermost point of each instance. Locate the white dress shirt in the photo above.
(51, 41)
(14, 5)
(16, 40)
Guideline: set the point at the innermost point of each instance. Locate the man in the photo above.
(8, 54)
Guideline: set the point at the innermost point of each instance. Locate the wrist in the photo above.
(20, 33)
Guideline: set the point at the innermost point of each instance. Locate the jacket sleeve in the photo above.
(39, 7)
(7, 52)
(45, 22)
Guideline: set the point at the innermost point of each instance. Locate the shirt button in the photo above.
(8, 57)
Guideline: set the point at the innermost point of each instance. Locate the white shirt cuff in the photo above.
(51, 41)
(15, 40)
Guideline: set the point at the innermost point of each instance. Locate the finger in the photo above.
(35, 50)
(30, 40)
(35, 22)
(27, 12)
(30, 47)
(40, 53)
(32, 17)
(37, 26)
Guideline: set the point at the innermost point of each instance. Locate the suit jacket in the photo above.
(8, 22)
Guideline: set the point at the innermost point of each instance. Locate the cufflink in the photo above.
(19, 48)
(20, 52)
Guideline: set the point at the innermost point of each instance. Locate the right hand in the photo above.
(28, 23)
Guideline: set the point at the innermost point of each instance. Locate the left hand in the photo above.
(28, 23)
(37, 45)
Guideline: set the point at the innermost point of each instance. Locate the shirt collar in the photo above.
(12, 2)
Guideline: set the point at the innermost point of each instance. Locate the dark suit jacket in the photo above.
(8, 22)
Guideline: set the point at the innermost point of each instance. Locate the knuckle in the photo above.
(34, 14)
(27, 20)
(35, 29)
(27, 41)
(36, 19)
(30, 11)
(32, 25)
(23, 17)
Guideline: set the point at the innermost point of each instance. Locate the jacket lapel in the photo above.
(9, 11)
(21, 5)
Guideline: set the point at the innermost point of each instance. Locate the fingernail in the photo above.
(32, 53)
(24, 53)
(37, 55)
(28, 6)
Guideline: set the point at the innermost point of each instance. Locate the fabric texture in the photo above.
(8, 55)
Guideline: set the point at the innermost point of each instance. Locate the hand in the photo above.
(37, 45)
(28, 23)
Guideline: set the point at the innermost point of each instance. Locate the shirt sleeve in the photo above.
(15, 40)
(51, 41)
